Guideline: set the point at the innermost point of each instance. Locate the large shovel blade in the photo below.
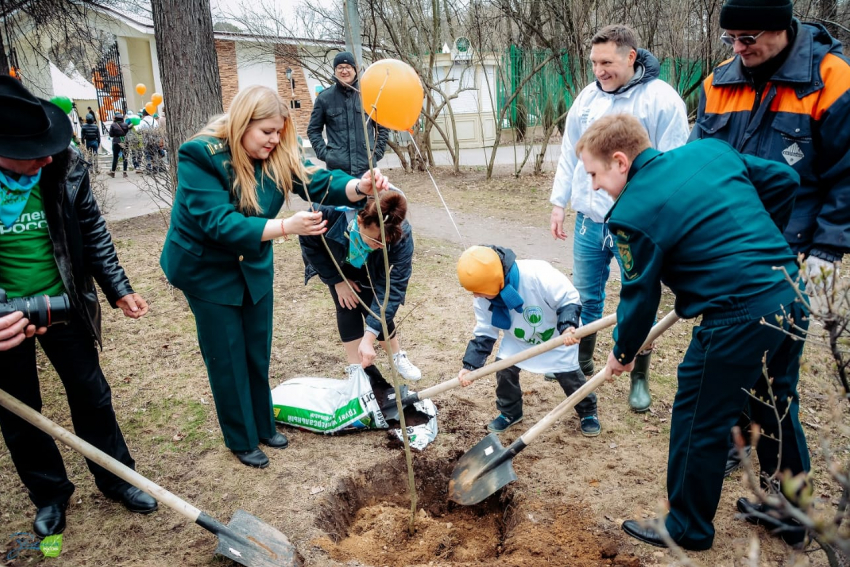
(482, 471)
(269, 547)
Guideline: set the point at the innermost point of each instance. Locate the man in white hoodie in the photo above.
(626, 82)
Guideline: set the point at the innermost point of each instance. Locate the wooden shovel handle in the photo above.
(589, 386)
(552, 343)
(94, 454)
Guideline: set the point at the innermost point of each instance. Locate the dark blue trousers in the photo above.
(723, 363)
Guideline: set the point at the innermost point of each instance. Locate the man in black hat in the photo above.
(53, 241)
(785, 96)
(337, 112)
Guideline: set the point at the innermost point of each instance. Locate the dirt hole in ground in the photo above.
(366, 519)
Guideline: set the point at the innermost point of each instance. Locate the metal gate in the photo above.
(107, 79)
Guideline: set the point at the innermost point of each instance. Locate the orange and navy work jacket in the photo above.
(803, 120)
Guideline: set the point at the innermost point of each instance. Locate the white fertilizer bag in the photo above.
(324, 405)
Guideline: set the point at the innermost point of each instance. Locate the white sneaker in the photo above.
(406, 368)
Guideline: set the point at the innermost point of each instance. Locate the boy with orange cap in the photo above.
(529, 300)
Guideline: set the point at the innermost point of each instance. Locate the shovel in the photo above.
(247, 540)
(488, 466)
(552, 343)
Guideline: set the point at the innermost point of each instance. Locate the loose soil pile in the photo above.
(367, 519)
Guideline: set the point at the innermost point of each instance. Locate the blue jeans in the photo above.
(593, 249)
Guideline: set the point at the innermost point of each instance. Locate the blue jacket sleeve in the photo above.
(315, 254)
(831, 238)
(641, 261)
(401, 266)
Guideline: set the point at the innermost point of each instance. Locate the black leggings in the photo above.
(350, 322)
(116, 150)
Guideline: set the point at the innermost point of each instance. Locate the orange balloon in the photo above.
(392, 94)
(141, 88)
(156, 98)
(150, 107)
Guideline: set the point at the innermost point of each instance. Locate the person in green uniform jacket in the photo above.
(233, 178)
(707, 222)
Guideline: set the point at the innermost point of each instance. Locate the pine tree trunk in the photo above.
(188, 66)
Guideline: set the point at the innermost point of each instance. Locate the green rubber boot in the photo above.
(639, 396)
(585, 354)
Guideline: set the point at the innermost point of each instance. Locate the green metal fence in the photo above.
(549, 92)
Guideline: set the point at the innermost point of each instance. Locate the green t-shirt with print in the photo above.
(27, 265)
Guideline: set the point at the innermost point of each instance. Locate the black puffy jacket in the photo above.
(90, 132)
(337, 112)
(82, 246)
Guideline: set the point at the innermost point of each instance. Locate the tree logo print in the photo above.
(533, 315)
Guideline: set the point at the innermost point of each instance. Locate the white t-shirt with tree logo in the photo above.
(544, 289)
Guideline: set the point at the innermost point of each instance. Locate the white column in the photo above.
(157, 79)
(35, 70)
(127, 75)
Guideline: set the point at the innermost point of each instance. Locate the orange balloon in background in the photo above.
(156, 98)
(141, 88)
(150, 107)
(393, 88)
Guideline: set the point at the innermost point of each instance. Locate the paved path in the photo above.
(427, 220)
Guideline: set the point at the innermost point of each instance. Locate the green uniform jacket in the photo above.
(707, 222)
(214, 252)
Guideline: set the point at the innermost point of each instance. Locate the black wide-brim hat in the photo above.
(32, 128)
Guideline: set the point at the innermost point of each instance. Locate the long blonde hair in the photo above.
(285, 161)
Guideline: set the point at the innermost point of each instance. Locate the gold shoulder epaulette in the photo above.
(217, 147)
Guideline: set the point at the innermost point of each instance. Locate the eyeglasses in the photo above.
(343, 67)
(746, 40)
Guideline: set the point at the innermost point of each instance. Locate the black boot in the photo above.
(639, 396)
(585, 354)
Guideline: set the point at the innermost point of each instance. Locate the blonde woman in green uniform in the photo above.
(233, 178)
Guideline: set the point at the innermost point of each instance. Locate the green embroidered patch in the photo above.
(625, 252)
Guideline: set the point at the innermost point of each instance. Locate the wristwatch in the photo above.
(358, 191)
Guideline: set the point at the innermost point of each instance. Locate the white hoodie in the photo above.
(543, 289)
(652, 101)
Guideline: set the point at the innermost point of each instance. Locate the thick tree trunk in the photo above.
(188, 66)
(4, 61)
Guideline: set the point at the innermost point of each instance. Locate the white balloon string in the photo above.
(445, 206)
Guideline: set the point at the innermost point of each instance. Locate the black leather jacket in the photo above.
(82, 246)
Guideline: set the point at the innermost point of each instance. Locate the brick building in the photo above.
(243, 60)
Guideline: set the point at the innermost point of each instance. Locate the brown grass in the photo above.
(164, 405)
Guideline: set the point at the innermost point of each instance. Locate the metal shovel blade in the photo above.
(482, 471)
(268, 547)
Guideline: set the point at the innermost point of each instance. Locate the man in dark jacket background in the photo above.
(90, 136)
(54, 241)
(337, 112)
(785, 96)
